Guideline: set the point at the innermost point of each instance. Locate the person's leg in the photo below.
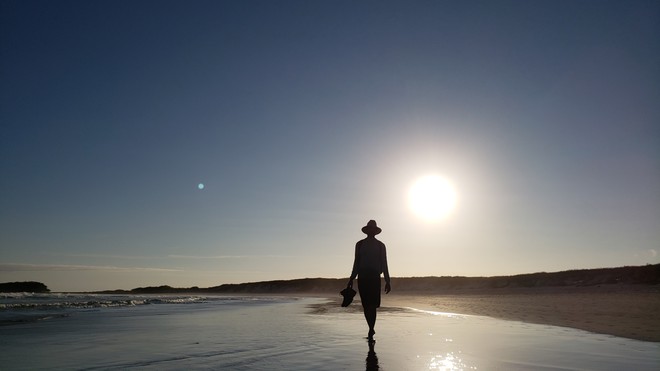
(369, 287)
(370, 316)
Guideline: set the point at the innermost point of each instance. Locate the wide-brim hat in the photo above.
(371, 228)
(348, 294)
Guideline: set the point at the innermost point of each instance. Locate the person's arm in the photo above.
(386, 271)
(356, 265)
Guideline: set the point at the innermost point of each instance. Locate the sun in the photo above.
(432, 198)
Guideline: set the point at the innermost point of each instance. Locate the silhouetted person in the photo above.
(370, 261)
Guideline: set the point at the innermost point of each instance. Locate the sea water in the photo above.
(176, 332)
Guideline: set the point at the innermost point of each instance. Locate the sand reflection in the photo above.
(436, 313)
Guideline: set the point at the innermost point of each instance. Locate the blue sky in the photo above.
(306, 119)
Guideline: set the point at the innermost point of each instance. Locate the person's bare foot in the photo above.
(371, 334)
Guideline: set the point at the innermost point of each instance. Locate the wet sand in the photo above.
(291, 333)
(627, 311)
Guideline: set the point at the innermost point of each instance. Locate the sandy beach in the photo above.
(630, 311)
(257, 332)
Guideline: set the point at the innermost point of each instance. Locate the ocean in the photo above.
(181, 332)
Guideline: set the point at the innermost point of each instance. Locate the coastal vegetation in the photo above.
(28, 286)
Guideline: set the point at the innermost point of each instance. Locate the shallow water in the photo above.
(286, 334)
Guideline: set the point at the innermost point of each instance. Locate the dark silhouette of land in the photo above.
(629, 275)
(28, 286)
(646, 275)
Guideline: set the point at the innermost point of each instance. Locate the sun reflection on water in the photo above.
(448, 362)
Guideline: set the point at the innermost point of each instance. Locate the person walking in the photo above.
(370, 261)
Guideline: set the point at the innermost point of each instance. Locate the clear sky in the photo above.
(305, 119)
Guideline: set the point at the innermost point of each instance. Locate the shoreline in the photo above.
(625, 310)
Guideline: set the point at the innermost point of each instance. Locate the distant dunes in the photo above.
(637, 275)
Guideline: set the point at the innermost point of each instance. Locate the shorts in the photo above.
(369, 286)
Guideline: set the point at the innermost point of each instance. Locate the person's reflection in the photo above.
(372, 359)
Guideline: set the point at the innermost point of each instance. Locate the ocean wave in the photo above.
(29, 301)
(48, 301)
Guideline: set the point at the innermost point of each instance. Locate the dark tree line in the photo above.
(28, 286)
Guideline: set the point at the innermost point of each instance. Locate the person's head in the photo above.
(371, 229)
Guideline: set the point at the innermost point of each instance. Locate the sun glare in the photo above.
(432, 198)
